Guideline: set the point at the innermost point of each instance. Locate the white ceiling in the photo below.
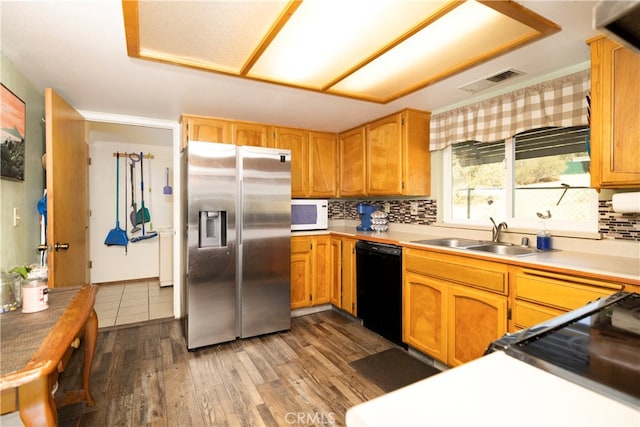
(78, 48)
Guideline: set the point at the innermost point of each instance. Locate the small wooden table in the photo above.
(36, 348)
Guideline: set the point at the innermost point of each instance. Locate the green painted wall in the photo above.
(18, 245)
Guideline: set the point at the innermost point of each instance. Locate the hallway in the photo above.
(121, 303)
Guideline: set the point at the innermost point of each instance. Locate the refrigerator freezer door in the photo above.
(265, 240)
(211, 250)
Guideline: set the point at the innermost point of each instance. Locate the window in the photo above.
(537, 175)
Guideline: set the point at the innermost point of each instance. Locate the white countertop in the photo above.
(495, 390)
(602, 264)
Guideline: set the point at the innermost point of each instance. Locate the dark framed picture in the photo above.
(13, 115)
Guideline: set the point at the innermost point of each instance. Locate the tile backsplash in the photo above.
(399, 210)
(614, 225)
(611, 225)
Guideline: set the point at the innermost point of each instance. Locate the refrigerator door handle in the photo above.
(239, 218)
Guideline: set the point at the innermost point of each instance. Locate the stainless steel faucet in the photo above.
(497, 229)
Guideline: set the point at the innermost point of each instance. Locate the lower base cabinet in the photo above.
(448, 320)
(476, 318)
(310, 271)
(424, 326)
(347, 299)
(541, 295)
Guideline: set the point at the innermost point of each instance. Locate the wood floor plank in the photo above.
(144, 375)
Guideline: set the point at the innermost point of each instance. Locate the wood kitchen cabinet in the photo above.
(212, 129)
(349, 302)
(297, 141)
(398, 159)
(321, 288)
(615, 124)
(310, 271)
(248, 133)
(301, 259)
(352, 161)
(323, 165)
(335, 262)
(196, 128)
(541, 295)
(475, 319)
(424, 325)
(453, 306)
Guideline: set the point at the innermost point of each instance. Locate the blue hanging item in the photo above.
(42, 207)
(117, 236)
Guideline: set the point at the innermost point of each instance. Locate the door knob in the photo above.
(61, 246)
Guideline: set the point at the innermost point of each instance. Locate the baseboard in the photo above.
(310, 310)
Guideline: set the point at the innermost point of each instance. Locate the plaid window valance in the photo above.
(558, 102)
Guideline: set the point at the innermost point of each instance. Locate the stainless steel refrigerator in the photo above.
(238, 279)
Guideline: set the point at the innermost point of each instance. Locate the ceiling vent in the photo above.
(491, 81)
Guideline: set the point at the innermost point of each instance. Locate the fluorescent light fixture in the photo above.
(376, 50)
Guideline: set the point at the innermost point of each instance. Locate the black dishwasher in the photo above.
(379, 289)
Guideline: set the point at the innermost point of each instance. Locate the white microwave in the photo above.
(309, 214)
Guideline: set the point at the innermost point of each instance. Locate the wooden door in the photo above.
(67, 193)
(253, 134)
(352, 158)
(301, 271)
(296, 141)
(475, 319)
(322, 270)
(335, 261)
(323, 165)
(384, 156)
(424, 319)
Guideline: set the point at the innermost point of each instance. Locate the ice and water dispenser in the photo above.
(212, 229)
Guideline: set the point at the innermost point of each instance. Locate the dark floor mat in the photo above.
(392, 369)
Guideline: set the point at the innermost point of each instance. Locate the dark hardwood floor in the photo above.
(144, 375)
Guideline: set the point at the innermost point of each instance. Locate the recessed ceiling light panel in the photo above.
(372, 50)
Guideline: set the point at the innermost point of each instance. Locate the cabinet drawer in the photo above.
(526, 314)
(563, 292)
(467, 271)
(300, 244)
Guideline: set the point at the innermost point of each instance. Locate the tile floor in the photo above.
(131, 302)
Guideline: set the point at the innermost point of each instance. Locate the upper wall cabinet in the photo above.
(247, 133)
(398, 157)
(352, 159)
(196, 128)
(297, 141)
(615, 123)
(323, 165)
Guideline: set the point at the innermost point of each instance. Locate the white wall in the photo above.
(140, 260)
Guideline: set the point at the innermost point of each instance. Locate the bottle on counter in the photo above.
(543, 239)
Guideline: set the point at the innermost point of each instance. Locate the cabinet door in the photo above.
(323, 164)
(206, 129)
(295, 140)
(321, 290)
(253, 134)
(301, 271)
(348, 302)
(335, 262)
(352, 172)
(475, 319)
(615, 127)
(424, 320)
(384, 156)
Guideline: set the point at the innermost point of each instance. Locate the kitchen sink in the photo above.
(497, 248)
(504, 249)
(450, 242)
